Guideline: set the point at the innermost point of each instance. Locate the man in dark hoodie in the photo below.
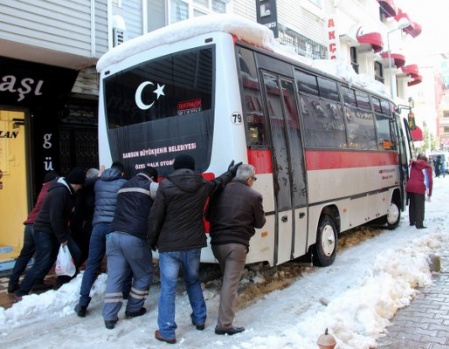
(51, 228)
(176, 227)
(105, 194)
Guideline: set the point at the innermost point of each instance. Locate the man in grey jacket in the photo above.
(233, 214)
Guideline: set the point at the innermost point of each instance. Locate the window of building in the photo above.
(446, 130)
(354, 59)
(185, 9)
(378, 72)
(446, 113)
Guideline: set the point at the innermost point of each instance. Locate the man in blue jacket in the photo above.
(105, 190)
(127, 249)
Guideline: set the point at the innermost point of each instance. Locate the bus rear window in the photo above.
(173, 85)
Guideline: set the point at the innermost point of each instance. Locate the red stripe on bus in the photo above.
(261, 160)
(327, 160)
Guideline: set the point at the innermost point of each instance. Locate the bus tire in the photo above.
(393, 216)
(325, 248)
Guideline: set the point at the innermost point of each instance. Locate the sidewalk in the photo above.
(425, 323)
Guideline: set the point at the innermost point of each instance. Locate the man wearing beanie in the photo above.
(29, 247)
(176, 229)
(51, 228)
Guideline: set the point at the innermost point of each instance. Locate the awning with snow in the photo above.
(398, 59)
(414, 29)
(412, 70)
(388, 7)
(374, 39)
(417, 134)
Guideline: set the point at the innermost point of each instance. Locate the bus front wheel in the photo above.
(325, 248)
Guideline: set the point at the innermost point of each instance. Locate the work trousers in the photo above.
(232, 259)
(125, 252)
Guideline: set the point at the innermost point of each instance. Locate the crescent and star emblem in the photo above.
(138, 96)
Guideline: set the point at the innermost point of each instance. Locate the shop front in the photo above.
(32, 99)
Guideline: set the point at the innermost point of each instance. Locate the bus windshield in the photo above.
(165, 106)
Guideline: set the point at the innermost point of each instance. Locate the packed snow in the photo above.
(355, 299)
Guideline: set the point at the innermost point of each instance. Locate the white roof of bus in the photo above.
(245, 30)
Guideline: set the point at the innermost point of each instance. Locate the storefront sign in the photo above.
(24, 83)
(333, 39)
(267, 15)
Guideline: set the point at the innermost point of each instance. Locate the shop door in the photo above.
(13, 183)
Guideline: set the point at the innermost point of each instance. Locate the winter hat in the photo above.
(76, 176)
(50, 175)
(184, 161)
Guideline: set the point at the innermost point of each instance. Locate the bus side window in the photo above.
(324, 126)
(252, 108)
(384, 133)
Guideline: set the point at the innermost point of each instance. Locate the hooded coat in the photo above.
(176, 218)
(56, 209)
(416, 183)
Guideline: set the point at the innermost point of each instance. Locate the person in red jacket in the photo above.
(29, 247)
(420, 171)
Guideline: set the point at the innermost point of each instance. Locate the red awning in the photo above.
(417, 134)
(413, 71)
(414, 29)
(397, 58)
(371, 38)
(388, 7)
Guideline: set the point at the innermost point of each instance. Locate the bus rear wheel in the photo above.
(325, 248)
(393, 216)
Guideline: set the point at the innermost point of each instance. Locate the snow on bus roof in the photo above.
(249, 31)
(245, 30)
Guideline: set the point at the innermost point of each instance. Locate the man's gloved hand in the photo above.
(233, 168)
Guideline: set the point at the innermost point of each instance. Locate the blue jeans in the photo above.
(97, 250)
(46, 251)
(169, 264)
(27, 252)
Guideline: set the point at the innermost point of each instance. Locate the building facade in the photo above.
(49, 84)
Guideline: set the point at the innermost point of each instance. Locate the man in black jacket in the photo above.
(233, 214)
(51, 228)
(176, 227)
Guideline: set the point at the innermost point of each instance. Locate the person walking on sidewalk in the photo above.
(176, 228)
(51, 229)
(29, 247)
(127, 249)
(416, 190)
(105, 193)
(233, 214)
